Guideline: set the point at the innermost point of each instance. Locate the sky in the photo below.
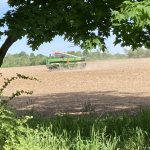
(58, 44)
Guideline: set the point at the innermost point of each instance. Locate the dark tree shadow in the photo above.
(79, 102)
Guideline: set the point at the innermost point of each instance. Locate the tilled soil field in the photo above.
(103, 86)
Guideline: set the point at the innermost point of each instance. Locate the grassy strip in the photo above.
(121, 132)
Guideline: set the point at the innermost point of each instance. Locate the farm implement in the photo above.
(64, 61)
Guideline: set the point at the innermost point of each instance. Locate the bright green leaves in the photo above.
(94, 43)
(131, 24)
(137, 12)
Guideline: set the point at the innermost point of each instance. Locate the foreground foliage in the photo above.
(75, 132)
(11, 126)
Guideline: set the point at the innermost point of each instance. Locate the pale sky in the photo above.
(58, 44)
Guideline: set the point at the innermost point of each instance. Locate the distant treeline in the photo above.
(138, 53)
(128, 53)
(24, 59)
(98, 55)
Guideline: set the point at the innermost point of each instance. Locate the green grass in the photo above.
(113, 132)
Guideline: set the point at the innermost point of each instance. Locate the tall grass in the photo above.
(119, 132)
(45, 139)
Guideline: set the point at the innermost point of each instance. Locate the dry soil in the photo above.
(103, 86)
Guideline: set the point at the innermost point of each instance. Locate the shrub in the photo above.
(11, 127)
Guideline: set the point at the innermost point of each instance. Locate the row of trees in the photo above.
(23, 59)
(138, 53)
(97, 55)
(128, 53)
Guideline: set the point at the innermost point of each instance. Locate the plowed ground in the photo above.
(104, 86)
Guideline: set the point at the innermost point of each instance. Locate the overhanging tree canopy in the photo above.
(41, 21)
(85, 22)
(131, 24)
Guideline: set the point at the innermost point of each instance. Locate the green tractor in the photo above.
(65, 61)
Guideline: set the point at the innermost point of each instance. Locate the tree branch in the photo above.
(4, 48)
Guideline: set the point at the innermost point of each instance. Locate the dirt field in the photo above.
(112, 85)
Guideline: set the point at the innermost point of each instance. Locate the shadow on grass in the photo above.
(79, 102)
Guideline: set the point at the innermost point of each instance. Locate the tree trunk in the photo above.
(4, 48)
